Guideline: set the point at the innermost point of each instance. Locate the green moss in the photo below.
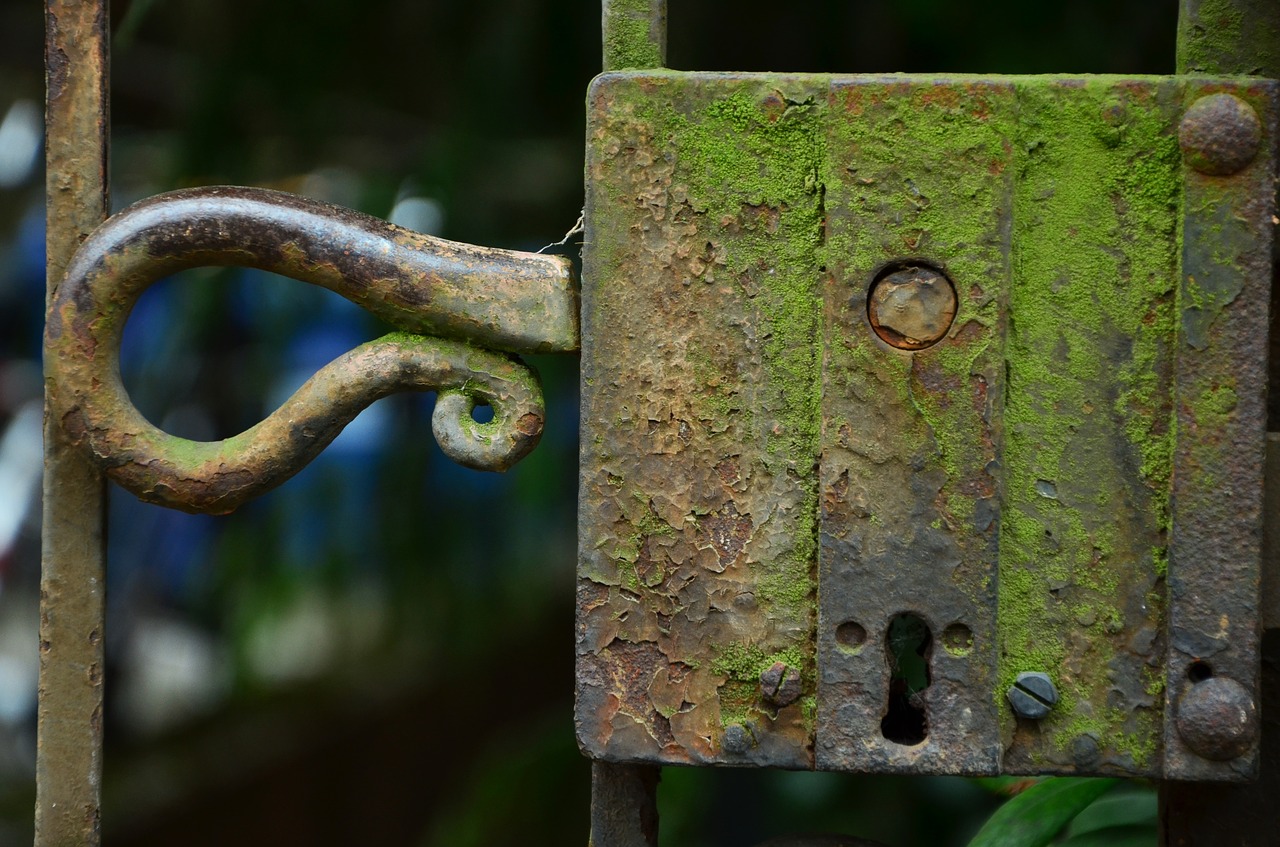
(1089, 371)
(629, 41)
(745, 662)
(1229, 37)
(738, 701)
(1054, 207)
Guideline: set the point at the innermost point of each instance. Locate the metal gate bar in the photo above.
(73, 563)
(1237, 37)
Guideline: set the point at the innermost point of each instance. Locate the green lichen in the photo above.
(629, 39)
(741, 664)
(1229, 37)
(749, 163)
(745, 662)
(1054, 208)
(1087, 408)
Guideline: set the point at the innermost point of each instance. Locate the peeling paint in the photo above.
(1014, 479)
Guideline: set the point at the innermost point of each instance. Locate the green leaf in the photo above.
(1121, 808)
(1144, 835)
(1035, 816)
(1007, 786)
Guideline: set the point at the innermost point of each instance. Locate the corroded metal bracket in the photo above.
(898, 391)
(477, 299)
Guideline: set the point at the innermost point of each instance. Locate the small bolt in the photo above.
(780, 684)
(1085, 752)
(737, 739)
(1220, 134)
(1032, 695)
(911, 308)
(1217, 719)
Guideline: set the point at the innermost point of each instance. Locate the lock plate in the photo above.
(810, 538)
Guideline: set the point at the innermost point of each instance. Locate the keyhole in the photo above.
(907, 646)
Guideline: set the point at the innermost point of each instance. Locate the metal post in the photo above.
(72, 582)
(1236, 37)
(634, 34)
(624, 805)
(624, 798)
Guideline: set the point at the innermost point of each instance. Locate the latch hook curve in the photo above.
(511, 301)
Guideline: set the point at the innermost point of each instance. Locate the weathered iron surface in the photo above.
(1229, 37)
(73, 560)
(909, 493)
(700, 375)
(634, 34)
(1218, 719)
(1088, 421)
(1220, 134)
(754, 453)
(511, 301)
(624, 805)
(1214, 572)
(500, 299)
(1237, 37)
(218, 476)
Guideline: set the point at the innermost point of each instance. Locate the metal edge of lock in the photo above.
(1214, 622)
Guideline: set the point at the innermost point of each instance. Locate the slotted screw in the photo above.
(780, 684)
(1032, 695)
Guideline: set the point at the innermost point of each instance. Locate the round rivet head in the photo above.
(1085, 752)
(737, 739)
(1032, 695)
(911, 308)
(1218, 719)
(1220, 134)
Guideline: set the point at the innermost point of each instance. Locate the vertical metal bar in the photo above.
(624, 805)
(72, 584)
(624, 798)
(1234, 37)
(1229, 37)
(1215, 544)
(634, 34)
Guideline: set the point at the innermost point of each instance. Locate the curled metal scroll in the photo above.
(515, 302)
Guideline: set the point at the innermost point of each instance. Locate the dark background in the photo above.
(380, 652)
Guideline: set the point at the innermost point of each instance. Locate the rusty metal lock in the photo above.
(922, 423)
(917, 387)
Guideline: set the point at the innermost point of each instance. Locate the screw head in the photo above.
(1218, 719)
(1032, 695)
(911, 308)
(1220, 134)
(780, 684)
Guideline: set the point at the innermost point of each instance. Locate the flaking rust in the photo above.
(698, 495)
(766, 483)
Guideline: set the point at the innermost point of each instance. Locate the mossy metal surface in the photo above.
(759, 468)
(1229, 37)
(503, 299)
(634, 34)
(699, 507)
(916, 172)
